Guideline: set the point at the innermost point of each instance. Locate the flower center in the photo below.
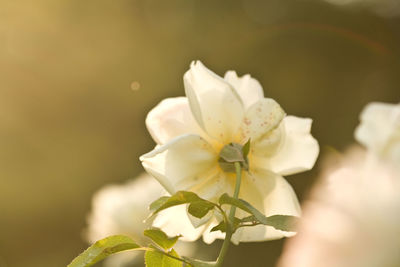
(234, 152)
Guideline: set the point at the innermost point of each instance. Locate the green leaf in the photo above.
(199, 209)
(161, 238)
(244, 205)
(279, 222)
(158, 203)
(246, 149)
(158, 259)
(183, 197)
(102, 249)
(250, 218)
(283, 222)
(220, 227)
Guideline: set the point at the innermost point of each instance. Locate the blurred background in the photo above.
(78, 77)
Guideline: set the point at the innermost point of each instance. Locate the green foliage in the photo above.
(158, 259)
(279, 222)
(198, 207)
(282, 222)
(244, 205)
(250, 218)
(161, 238)
(246, 149)
(219, 227)
(165, 256)
(102, 249)
(158, 203)
(222, 225)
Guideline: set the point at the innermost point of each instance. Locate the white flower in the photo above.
(190, 133)
(122, 209)
(379, 130)
(352, 218)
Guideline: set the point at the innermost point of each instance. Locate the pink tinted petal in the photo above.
(262, 117)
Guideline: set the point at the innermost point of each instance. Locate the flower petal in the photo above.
(248, 88)
(183, 159)
(208, 236)
(211, 189)
(213, 185)
(215, 105)
(298, 151)
(262, 117)
(171, 118)
(121, 209)
(175, 221)
(270, 143)
(379, 129)
(270, 194)
(196, 222)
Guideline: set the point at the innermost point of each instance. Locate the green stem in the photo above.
(229, 223)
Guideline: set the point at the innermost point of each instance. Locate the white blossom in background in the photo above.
(190, 133)
(386, 8)
(352, 218)
(379, 130)
(122, 209)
